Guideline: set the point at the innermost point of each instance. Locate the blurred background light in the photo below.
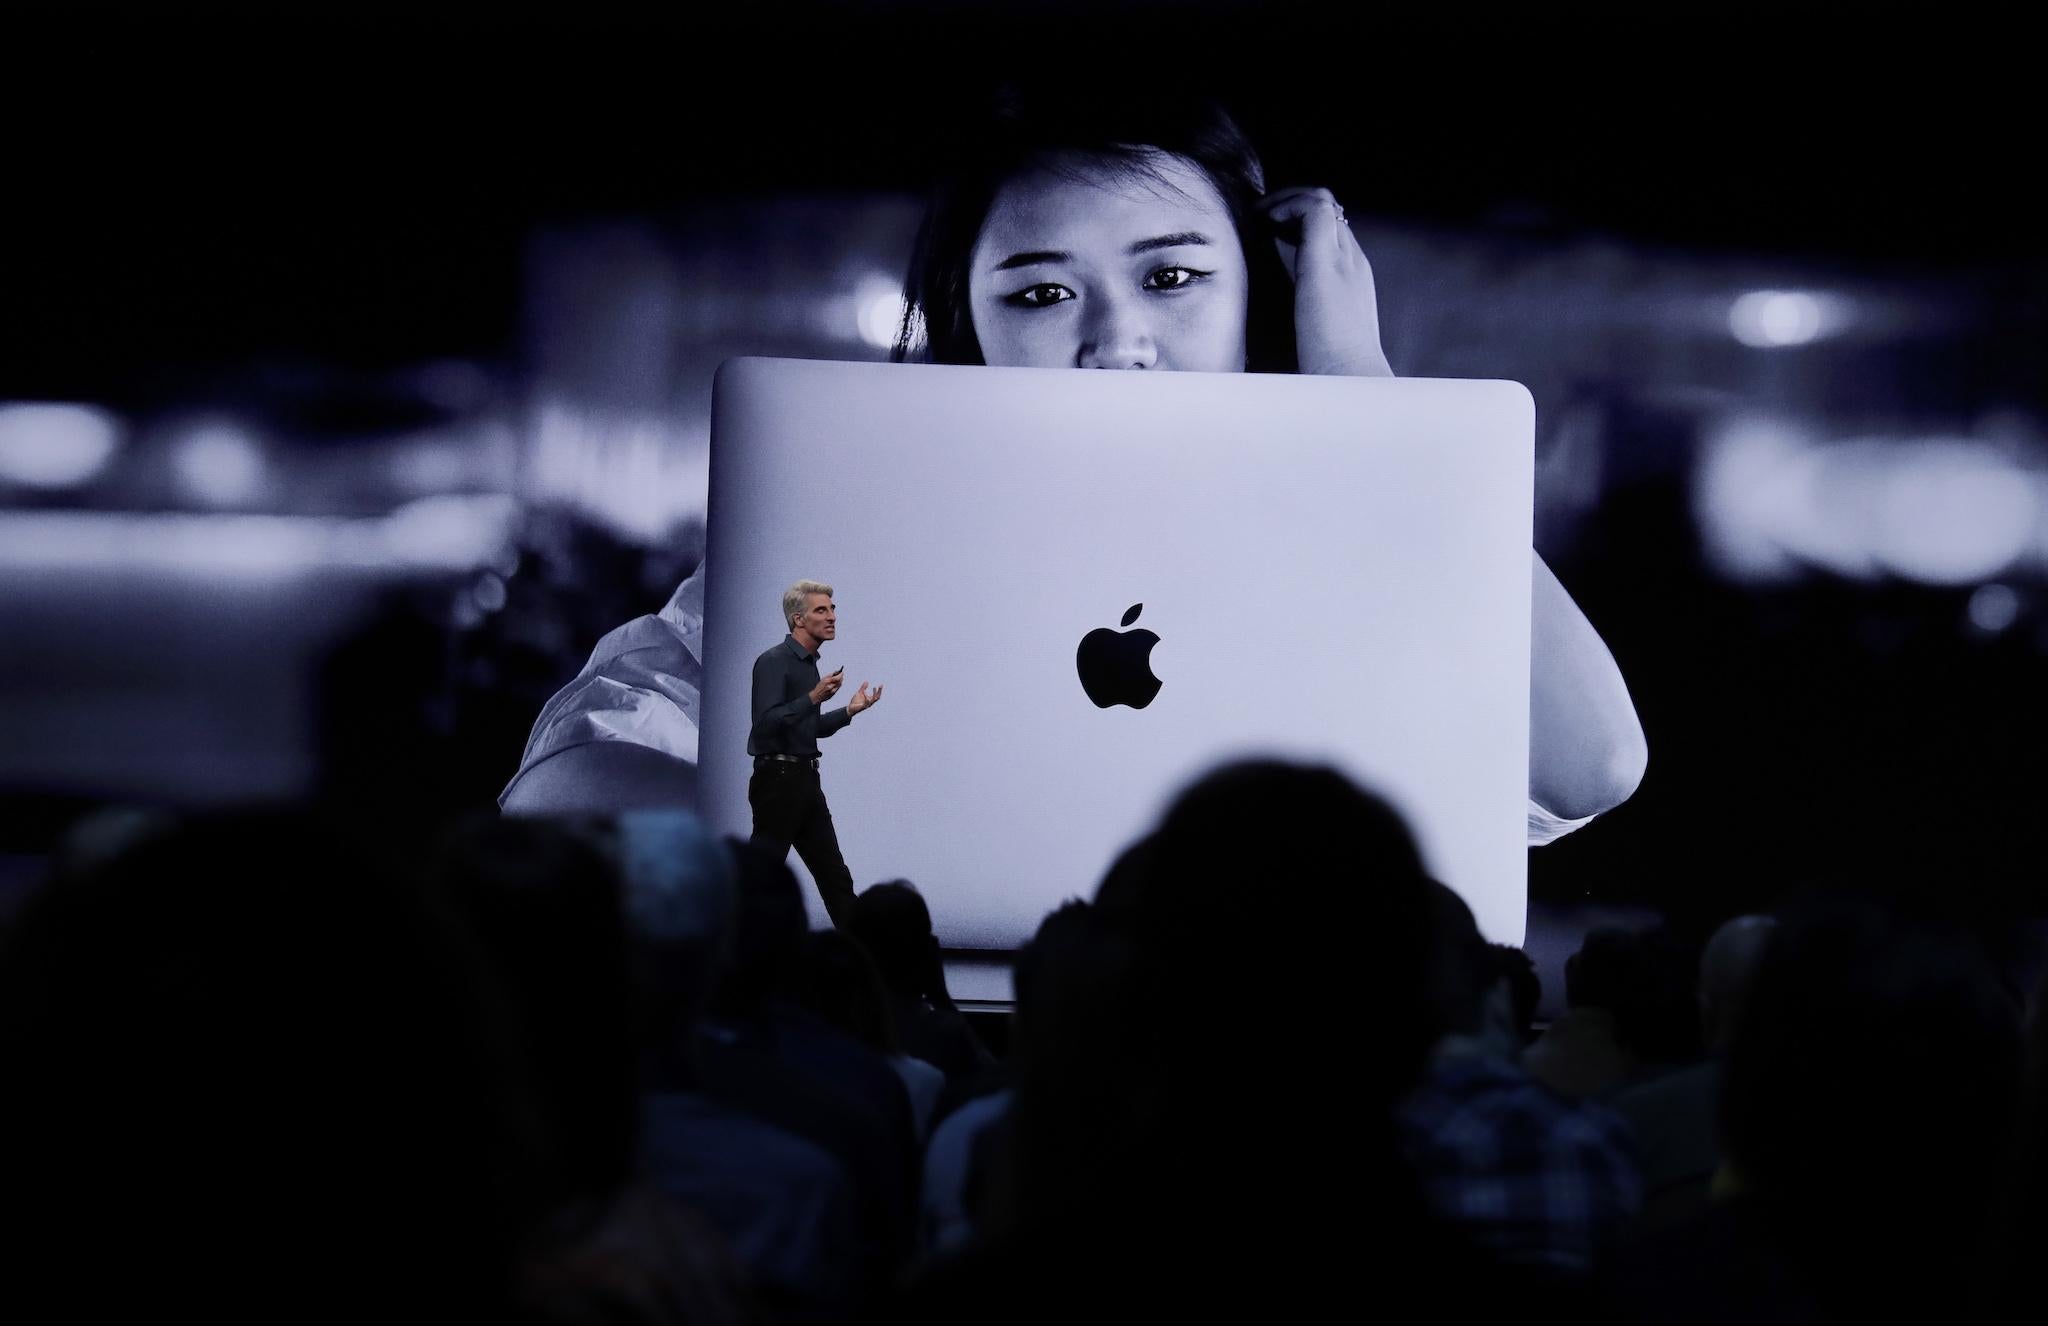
(1994, 607)
(53, 445)
(489, 592)
(880, 313)
(219, 464)
(452, 532)
(1952, 512)
(1754, 481)
(1831, 524)
(1769, 499)
(637, 473)
(1776, 319)
(205, 545)
(429, 467)
(456, 533)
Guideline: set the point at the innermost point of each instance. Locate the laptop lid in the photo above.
(1328, 569)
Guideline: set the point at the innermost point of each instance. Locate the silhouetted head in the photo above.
(1462, 972)
(836, 980)
(1727, 971)
(895, 926)
(1658, 1017)
(769, 924)
(1278, 916)
(680, 900)
(1598, 975)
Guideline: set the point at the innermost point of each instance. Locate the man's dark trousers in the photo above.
(790, 811)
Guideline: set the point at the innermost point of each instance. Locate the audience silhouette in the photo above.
(278, 1063)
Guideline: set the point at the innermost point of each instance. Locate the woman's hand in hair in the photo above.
(1336, 309)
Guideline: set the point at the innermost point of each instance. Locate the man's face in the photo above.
(820, 618)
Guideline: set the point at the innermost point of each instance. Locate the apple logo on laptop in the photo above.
(1116, 666)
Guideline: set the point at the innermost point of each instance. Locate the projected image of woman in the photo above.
(1136, 235)
(1143, 237)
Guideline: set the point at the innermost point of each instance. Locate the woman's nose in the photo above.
(1118, 336)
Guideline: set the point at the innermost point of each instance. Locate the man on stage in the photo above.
(789, 720)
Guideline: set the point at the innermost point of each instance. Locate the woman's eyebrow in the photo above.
(1185, 237)
(1036, 256)
(1030, 259)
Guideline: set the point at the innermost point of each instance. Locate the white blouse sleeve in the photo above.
(1545, 827)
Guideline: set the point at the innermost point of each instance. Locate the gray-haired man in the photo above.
(789, 721)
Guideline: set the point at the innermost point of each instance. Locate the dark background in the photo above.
(359, 187)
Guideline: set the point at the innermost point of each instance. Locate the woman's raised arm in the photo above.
(1586, 746)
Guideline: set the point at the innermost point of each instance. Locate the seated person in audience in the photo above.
(1530, 1176)
(1673, 1115)
(1524, 985)
(758, 1051)
(543, 904)
(253, 1074)
(1165, 1160)
(956, 1167)
(784, 1203)
(892, 922)
(836, 982)
(1580, 1054)
(1064, 982)
(1657, 1023)
(1868, 1107)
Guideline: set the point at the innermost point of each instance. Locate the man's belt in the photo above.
(810, 760)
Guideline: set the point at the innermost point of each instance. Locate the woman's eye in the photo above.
(1173, 278)
(1039, 296)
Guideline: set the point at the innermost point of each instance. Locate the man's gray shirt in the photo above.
(786, 722)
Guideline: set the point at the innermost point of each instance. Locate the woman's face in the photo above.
(1102, 272)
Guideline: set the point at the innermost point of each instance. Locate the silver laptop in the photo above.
(1327, 569)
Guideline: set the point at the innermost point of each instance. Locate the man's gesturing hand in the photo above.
(862, 698)
(827, 687)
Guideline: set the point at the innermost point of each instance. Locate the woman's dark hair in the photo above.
(1123, 138)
